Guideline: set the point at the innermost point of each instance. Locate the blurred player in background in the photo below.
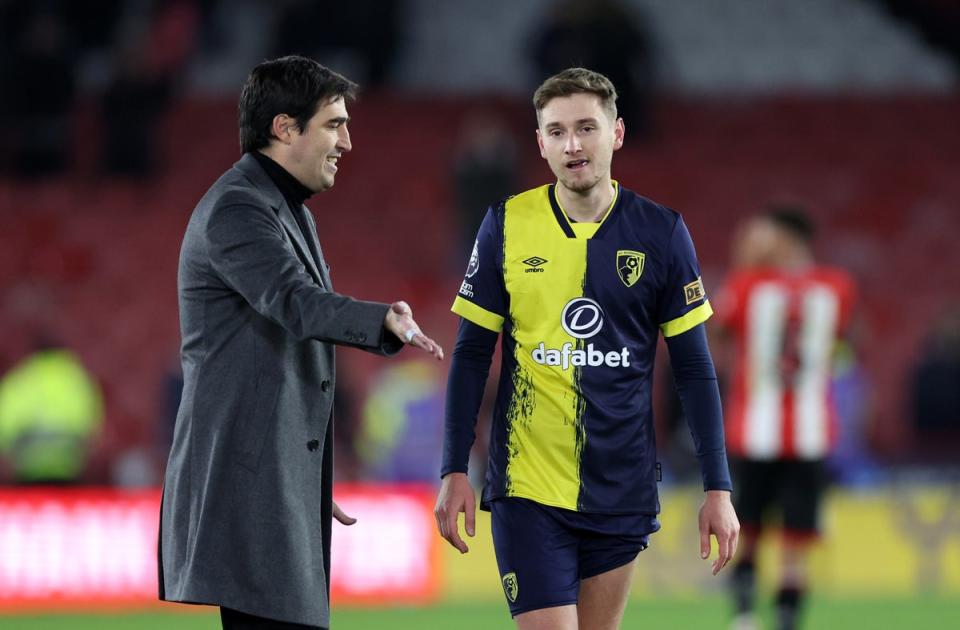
(582, 276)
(51, 410)
(784, 314)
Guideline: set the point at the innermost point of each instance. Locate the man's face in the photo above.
(577, 138)
(758, 244)
(314, 151)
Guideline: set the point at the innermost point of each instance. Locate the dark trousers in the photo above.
(236, 620)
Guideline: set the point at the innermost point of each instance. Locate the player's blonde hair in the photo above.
(577, 81)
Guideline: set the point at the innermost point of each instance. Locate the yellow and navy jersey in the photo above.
(580, 306)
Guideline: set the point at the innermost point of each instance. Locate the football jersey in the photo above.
(580, 307)
(785, 326)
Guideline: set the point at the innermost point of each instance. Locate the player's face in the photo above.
(314, 151)
(577, 138)
(759, 244)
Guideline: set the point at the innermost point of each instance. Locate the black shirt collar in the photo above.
(293, 191)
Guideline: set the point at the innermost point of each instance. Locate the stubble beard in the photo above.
(579, 187)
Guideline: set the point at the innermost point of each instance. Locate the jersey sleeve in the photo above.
(482, 298)
(683, 302)
(469, 368)
(696, 382)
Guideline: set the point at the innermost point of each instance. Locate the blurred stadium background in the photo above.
(116, 115)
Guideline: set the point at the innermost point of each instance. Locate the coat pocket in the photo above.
(256, 424)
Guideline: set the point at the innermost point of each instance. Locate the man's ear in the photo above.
(619, 131)
(543, 154)
(283, 127)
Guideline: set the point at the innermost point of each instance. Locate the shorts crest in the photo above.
(510, 586)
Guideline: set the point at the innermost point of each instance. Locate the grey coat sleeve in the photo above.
(248, 251)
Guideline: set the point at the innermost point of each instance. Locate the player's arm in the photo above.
(696, 382)
(469, 368)
(683, 310)
(482, 304)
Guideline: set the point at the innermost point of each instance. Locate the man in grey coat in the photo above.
(247, 500)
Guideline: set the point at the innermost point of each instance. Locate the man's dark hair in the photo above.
(577, 81)
(292, 85)
(792, 219)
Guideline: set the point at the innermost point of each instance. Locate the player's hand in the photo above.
(718, 518)
(342, 516)
(456, 495)
(399, 321)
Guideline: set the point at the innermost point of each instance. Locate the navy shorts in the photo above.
(543, 552)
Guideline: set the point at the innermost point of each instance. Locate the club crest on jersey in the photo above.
(629, 266)
(510, 586)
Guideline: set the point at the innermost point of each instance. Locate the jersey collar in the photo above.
(564, 221)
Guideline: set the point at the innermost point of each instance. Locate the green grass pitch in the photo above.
(703, 614)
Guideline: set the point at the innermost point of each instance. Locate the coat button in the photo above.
(313, 445)
(324, 386)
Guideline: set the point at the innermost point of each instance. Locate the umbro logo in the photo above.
(535, 264)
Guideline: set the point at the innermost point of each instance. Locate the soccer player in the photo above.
(784, 313)
(581, 276)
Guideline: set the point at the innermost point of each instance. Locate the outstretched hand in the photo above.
(456, 495)
(399, 321)
(717, 517)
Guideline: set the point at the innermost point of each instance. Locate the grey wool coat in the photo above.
(247, 499)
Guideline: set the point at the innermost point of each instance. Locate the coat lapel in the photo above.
(252, 169)
(299, 242)
(314, 241)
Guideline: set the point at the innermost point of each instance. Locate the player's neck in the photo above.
(798, 263)
(589, 206)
